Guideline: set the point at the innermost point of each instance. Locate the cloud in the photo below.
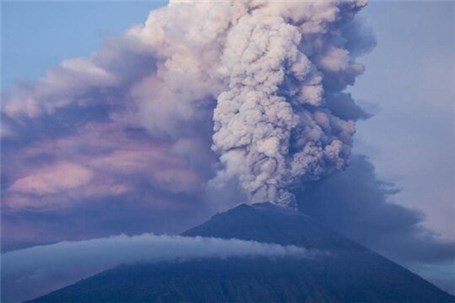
(359, 205)
(133, 122)
(261, 85)
(272, 126)
(56, 178)
(137, 183)
(35, 271)
(88, 164)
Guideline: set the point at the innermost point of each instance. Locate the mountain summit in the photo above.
(270, 223)
(344, 271)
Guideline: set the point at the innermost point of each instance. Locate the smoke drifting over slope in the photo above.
(267, 77)
(35, 271)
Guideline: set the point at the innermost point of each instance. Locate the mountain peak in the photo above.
(273, 206)
(349, 273)
(270, 223)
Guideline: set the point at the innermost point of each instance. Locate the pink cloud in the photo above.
(91, 165)
(155, 163)
(178, 180)
(54, 179)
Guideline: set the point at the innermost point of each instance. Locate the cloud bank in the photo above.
(35, 271)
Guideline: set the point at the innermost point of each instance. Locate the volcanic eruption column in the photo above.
(275, 68)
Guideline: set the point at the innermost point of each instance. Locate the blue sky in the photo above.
(410, 78)
(57, 30)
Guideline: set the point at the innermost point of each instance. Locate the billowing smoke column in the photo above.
(273, 67)
(271, 74)
(273, 128)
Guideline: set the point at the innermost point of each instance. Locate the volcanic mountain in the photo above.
(343, 271)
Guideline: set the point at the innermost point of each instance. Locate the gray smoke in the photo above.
(267, 76)
(272, 67)
(273, 128)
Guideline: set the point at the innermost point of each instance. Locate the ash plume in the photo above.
(249, 90)
(273, 128)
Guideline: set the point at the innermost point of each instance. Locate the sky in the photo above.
(410, 79)
(396, 196)
(31, 48)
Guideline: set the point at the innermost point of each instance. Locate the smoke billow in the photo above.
(268, 77)
(273, 127)
(273, 68)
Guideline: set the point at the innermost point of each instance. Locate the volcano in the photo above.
(343, 271)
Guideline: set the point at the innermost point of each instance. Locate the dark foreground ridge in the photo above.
(349, 273)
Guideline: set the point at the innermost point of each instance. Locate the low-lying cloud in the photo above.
(35, 271)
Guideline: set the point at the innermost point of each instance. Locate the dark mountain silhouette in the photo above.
(344, 272)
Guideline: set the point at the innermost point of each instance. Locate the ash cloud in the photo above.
(358, 204)
(251, 91)
(35, 271)
(273, 126)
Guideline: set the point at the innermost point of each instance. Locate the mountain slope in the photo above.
(348, 273)
(266, 222)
